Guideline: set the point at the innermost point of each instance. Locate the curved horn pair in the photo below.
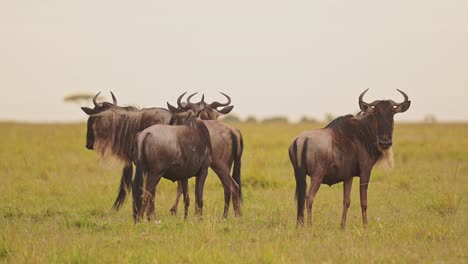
(96, 104)
(213, 105)
(365, 91)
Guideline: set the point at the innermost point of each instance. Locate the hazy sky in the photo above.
(290, 58)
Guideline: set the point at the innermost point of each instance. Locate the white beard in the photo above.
(103, 149)
(386, 160)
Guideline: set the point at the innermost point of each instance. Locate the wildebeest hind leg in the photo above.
(150, 193)
(230, 187)
(315, 182)
(150, 204)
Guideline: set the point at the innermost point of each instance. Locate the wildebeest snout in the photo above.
(385, 142)
(89, 146)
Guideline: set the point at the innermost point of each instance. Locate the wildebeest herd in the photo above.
(181, 142)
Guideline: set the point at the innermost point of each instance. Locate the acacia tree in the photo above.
(81, 98)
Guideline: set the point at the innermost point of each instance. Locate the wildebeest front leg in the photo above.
(346, 200)
(199, 184)
(184, 187)
(176, 202)
(364, 184)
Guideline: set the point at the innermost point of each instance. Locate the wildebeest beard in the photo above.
(386, 159)
(115, 132)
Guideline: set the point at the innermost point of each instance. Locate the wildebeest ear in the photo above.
(88, 110)
(171, 108)
(226, 109)
(365, 107)
(402, 107)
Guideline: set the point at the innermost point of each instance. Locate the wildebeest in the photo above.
(176, 152)
(347, 147)
(111, 130)
(105, 117)
(227, 145)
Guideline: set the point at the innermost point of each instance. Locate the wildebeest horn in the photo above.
(362, 96)
(404, 95)
(179, 100)
(202, 98)
(114, 100)
(94, 99)
(218, 104)
(190, 97)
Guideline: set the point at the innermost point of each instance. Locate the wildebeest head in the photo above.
(207, 111)
(210, 111)
(184, 111)
(384, 110)
(93, 117)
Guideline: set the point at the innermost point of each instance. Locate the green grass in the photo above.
(55, 200)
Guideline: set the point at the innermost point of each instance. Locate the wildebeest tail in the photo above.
(238, 148)
(125, 187)
(298, 162)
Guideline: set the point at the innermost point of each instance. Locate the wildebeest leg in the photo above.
(184, 186)
(364, 183)
(199, 184)
(230, 186)
(315, 182)
(176, 202)
(150, 204)
(346, 200)
(138, 186)
(226, 183)
(149, 195)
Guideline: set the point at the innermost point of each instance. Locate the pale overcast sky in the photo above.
(290, 58)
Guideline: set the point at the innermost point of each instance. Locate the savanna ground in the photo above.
(55, 200)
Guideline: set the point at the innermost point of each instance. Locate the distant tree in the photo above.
(81, 98)
(276, 119)
(430, 118)
(251, 119)
(306, 119)
(231, 118)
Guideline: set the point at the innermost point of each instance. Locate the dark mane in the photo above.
(339, 122)
(128, 108)
(349, 128)
(122, 126)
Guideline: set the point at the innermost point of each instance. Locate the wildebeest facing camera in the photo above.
(347, 147)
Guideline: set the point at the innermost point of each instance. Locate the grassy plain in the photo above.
(55, 200)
